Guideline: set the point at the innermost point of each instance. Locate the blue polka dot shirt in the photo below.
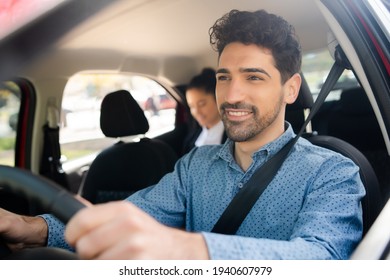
(311, 210)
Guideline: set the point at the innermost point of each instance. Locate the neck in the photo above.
(243, 151)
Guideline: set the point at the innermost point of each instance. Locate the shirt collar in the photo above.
(216, 128)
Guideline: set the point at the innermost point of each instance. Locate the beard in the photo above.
(246, 130)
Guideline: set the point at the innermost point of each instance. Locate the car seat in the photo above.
(354, 121)
(125, 167)
(372, 203)
(354, 118)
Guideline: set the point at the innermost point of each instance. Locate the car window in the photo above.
(316, 66)
(80, 133)
(9, 110)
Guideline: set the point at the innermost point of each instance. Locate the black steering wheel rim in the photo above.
(47, 194)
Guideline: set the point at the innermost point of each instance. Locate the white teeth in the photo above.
(238, 114)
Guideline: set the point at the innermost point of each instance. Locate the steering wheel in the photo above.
(50, 196)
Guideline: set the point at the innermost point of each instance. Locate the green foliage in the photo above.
(7, 144)
(74, 154)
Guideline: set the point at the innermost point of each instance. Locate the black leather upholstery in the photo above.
(353, 119)
(124, 168)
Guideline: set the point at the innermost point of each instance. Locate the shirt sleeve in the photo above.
(56, 230)
(329, 225)
(165, 201)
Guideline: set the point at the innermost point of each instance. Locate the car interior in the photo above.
(75, 99)
(125, 167)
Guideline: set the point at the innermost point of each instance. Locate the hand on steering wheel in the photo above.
(47, 194)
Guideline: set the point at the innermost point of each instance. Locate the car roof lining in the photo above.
(147, 24)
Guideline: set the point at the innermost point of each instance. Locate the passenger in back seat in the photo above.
(200, 95)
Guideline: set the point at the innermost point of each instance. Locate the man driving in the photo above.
(311, 209)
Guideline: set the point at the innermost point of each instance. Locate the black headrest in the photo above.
(121, 115)
(305, 98)
(354, 101)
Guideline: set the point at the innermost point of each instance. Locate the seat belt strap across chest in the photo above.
(236, 212)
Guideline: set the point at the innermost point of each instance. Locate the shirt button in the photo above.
(240, 185)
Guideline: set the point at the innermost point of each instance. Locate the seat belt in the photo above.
(51, 166)
(242, 203)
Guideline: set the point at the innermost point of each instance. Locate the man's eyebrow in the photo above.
(222, 70)
(244, 70)
(254, 70)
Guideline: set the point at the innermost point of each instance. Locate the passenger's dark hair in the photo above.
(205, 80)
(263, 29)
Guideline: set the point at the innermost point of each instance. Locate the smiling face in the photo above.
(250, 95)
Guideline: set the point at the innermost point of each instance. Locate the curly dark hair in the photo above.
(206, 81)
(263, 29)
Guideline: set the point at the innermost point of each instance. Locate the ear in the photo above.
(292, 87)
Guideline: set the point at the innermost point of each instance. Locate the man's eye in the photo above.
(222, 78)
(254, 78)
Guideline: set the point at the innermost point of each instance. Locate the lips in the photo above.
(237, 114)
